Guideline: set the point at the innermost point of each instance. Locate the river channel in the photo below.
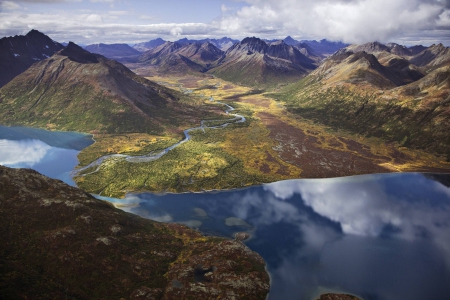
(154, 156)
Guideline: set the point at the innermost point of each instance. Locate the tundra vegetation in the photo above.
(275, 143)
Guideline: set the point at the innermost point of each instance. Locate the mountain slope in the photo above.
(112, 50)
(393, 100)
(364, 68)
(254, 62)
(432, 58)
(18, 53)
(78, 90)
(59, 242)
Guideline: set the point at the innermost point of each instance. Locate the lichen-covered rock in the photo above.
(58, 242)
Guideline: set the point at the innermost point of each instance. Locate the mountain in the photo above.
(380, 94)
(255, 62)
(59, 242)
(426, 59)
(290, 41)
(432, 57)
(223, 44)
(177, 58)
(82, 91)
(18, 53)
(142, 47)
(201, 53)
(364, 68)
(112, 50)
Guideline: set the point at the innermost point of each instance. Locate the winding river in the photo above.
(154, 156)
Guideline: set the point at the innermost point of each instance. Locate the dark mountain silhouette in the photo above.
(18, 53)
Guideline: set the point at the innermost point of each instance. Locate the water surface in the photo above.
(377, 236)
(53, 154)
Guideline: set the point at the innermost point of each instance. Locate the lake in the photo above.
(384, 236)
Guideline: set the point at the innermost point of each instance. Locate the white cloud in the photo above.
(176, 31)
(350, 21)
(354, 21)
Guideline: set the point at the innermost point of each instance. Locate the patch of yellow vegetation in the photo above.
(132, 144)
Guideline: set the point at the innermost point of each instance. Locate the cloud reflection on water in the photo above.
(27, 153)
(363, 207)
(352, 234)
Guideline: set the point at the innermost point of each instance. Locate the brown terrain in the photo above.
(58, 242)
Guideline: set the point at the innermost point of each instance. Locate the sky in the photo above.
(407, 22)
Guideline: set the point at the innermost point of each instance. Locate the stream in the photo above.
(151, 156)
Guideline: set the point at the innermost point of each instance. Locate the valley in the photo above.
(273, 144)
(187, 116)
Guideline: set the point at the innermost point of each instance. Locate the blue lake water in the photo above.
(53, 154)
(381, 236)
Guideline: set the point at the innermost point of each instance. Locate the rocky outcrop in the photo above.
(59, 242)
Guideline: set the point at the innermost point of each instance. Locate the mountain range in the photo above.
(388, 90)
(114, 51)
(250, 62)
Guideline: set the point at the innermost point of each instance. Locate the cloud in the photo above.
(176, 31)
(24, 152)
(354, 21)
(8, 5)
(347, 20)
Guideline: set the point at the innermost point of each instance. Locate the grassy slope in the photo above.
(412, 115)
(102, 97)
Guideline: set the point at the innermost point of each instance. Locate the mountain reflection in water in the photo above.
(381, 236)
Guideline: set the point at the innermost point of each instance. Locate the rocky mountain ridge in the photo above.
(18, 53)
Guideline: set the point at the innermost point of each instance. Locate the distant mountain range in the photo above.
(223, 43)
(18, 53)
(250, 62)
(112, 50)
